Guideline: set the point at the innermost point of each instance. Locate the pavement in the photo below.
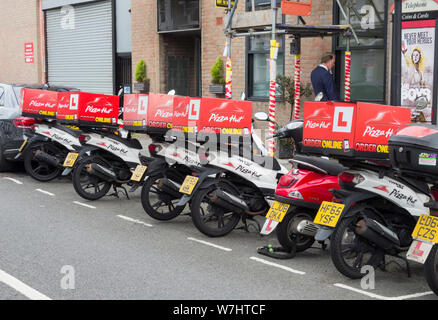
(55, 245)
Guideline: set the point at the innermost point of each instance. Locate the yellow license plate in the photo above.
(329, 214)
(278, 211)
(138, 173)
(71, 159)
(189, 184)
(426, 229)
(22, 146)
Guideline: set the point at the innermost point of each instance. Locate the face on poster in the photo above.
(418, 50)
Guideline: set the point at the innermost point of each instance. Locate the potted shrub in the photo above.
(143, 82)
(217, 77)
(286, 89)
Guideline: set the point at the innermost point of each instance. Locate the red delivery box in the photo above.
(135, 112)
(40, 104)
(160, 113)
(357, 130)
(225, 116)
(67, 108)
(328, 128)
(375, 125)
(89, 108)
(186, 114)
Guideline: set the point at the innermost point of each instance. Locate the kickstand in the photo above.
(116, 192)
(408, 266)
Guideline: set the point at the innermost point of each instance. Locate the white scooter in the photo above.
(45, 152)
(238, 183)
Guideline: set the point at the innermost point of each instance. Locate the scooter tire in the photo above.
(76, 179)
(337, 254)
(197, 215)
(284, 235)
(149, 208)
(33, 166)
(431, 269)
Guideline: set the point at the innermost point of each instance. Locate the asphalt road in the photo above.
(55, 245)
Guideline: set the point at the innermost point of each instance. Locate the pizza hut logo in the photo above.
(91, 109)
(99, 105)
(232, 119)
(46, 105)
(376, 133)
(313, 125)
(163, 114)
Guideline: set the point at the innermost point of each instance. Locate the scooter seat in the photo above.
(330, 167)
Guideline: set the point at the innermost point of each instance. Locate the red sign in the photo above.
(349, 129)
(39, 103)
(135, 111)
(88, 108)
(225, 116)
(160, 111)
(28, 53)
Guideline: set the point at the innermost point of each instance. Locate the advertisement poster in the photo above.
(418, 52)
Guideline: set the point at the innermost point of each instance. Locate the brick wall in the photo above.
(145, 40)
(19, 24)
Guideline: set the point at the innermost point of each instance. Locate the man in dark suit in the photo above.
(322, 78)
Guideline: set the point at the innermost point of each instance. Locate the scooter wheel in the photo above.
(210, 219)
(350, 252)
(40, 170)
(158, 204)
(431, 269)
(88, 186)
(287, 238)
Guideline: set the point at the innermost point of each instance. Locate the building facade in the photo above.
(96, 45)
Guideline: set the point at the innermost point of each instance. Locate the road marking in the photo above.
(84, 205)
(45, 192)
(134, 221)
(13, 180)
(210, 244)
(21, 287)
(277, 265)
(380, 297)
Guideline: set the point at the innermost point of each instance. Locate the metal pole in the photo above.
(396, 54)
(347, 77)
(229, 68)
(272, 76)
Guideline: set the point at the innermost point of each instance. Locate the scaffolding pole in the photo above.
(273, 77)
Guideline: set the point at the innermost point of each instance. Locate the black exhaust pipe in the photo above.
(102, 172)
(229, 201)
(170, 187)
(378, 234)
(47, 158)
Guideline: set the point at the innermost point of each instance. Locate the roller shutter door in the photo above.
(81, 55)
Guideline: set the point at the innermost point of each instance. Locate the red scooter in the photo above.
(298, 197)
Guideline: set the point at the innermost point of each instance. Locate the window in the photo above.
(368, 62)
(260, 4)
(258, 51)
(178, 15)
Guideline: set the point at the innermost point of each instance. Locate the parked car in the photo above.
(14, 127)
